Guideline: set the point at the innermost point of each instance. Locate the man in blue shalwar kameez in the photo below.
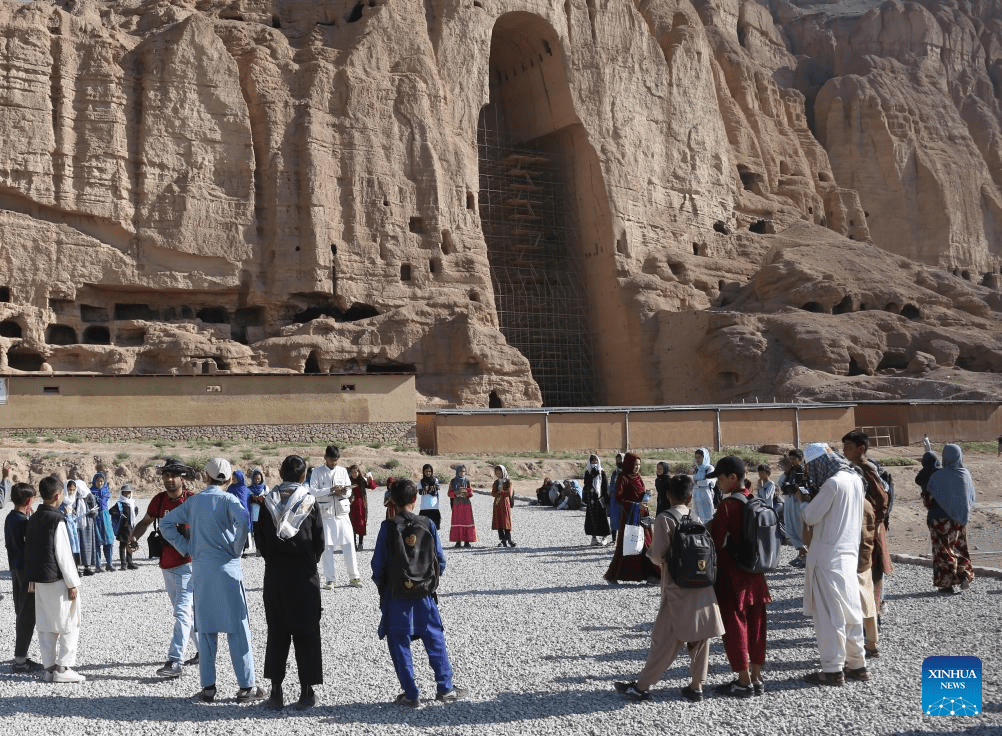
(217, 530)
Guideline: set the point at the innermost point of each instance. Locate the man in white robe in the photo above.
(331, 486)
(52, 575)
(834, 517)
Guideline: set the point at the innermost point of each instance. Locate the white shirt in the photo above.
(322, 479)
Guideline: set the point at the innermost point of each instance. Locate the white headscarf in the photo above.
(70, 499)
(289, 504)
(130, 501)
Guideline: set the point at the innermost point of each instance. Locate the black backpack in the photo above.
(758, 548)
(692, 558)
(413, 569)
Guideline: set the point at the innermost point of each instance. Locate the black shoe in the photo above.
(511, 543)
(458, 545)
(170, 669)
(948, 590)
(735, 689)
(132, 566)
(88, 571)
(109, 568)
(275, 701)
(693, 696)
(403, 700)
(193, 660)
(758, 687)
(305, 701)
(467, 545)
(97, 570)
(28, 665)
(205, 695)
(631, 690)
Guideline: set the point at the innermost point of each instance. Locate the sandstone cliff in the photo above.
(526, 202)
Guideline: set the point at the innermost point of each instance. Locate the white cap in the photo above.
(815, 450)
(218, 469)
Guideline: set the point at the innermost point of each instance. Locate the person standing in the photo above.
(464, 530)
(702, 496)
(854, 447)
(793, 509)
(124, 513)
(330, 485)
(951, 493)
(504, 499)
(104, 535)
(15, 528)
(834, 520)
(428, 491)
(596, 498)
(174, 566)
(630, 493)
(615, 510)
(358, 515)
(410, 610)
(741, 595)
(52, 576)
(290, 537)
(217, 531)
(688, 616)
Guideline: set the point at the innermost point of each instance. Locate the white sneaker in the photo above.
(67, 675)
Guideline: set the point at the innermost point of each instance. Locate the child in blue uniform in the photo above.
(406, 618)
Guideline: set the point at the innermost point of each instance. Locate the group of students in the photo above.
(94, 524)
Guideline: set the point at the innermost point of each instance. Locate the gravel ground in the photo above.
(535, 635)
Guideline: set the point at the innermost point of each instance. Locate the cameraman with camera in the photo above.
(794, 480)
(175, 567)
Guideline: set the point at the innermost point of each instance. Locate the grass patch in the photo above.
(247, 455)
(898, 461)
(980, 448)
(391, 463)
(375, 445)
(74, 437)
(32, 440)
(121, 457)
(49, 439)
(196, 461)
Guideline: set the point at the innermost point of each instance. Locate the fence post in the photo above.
(546, 431)
(626, 429)
(720, 442)
(796, 426)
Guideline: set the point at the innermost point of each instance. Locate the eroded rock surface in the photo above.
(711, 200)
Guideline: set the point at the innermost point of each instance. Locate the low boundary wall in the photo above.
(70, 401)
(454, 431)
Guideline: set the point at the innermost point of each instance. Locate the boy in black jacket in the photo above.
(15, 528)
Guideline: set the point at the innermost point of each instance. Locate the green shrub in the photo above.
(74, 437)
(121, 456)
(391, 463)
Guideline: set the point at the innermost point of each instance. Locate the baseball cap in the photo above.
(218, 469)
(730, 465)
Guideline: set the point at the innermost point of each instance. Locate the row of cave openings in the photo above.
(909, 311)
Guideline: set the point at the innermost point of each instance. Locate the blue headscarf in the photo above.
(239, 489)
(952, 486)
(257, 489)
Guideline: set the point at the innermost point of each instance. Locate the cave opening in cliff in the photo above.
(60, 335)
(546, 219)
(10, 328)
(23, 359)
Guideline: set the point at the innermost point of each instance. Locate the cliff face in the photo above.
(525, 202)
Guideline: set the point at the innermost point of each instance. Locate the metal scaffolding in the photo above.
(538, 286)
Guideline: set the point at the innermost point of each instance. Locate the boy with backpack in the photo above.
(688, 613)
(15, 530)
(741, 595)
(406, 564)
